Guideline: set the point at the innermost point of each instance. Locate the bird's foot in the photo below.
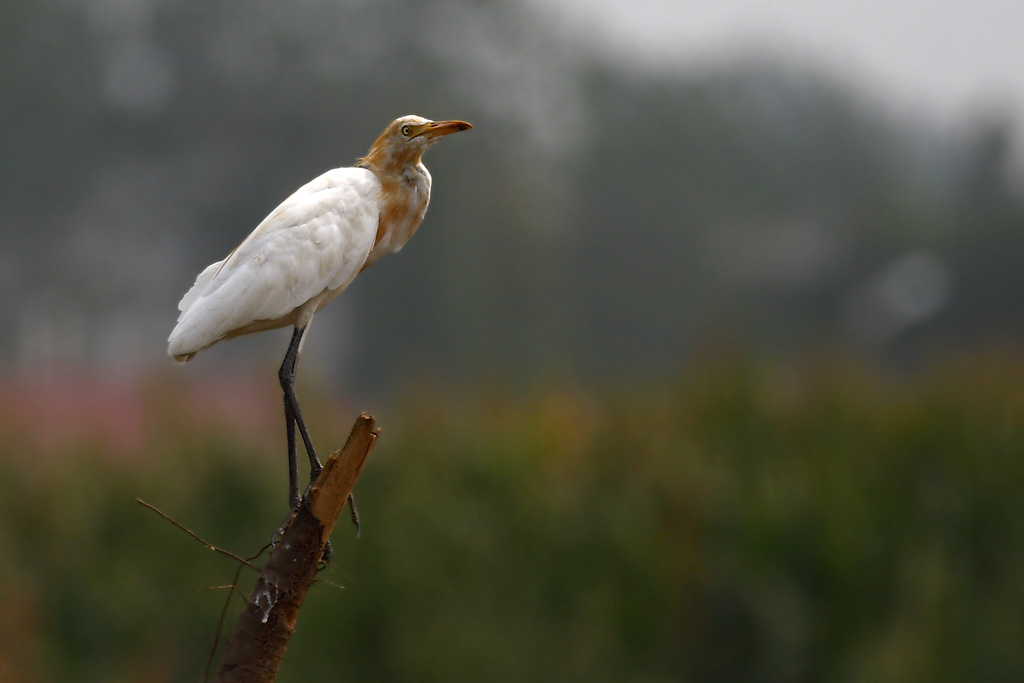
(325, 559)
(279, 532)
(355, 513)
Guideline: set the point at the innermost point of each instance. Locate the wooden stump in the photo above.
(257, 645)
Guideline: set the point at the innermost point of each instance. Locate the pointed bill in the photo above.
(435, 129)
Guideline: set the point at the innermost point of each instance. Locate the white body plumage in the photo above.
(300, 257)
(308, 250)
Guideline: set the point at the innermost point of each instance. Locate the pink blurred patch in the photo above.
(62, 412)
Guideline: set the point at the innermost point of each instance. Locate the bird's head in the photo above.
(405, 140)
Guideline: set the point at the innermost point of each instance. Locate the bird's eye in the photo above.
(406, 130)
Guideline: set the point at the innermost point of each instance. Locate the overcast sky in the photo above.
(950, 58)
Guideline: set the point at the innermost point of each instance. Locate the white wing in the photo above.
(311, 246)
(197, 289)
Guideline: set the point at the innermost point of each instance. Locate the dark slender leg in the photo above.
(293, 468)
(293, 416)
(287, 376)
(293, 419)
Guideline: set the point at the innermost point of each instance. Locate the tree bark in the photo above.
(257, 645)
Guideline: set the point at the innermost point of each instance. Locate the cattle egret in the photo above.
(307, 251)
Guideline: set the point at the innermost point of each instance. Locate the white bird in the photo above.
(307, 251)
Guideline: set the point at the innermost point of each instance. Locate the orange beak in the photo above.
(436, 129)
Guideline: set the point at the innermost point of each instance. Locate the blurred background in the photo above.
(706, 363)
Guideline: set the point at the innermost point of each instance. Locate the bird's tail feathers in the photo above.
(182, 336)
(199, 287)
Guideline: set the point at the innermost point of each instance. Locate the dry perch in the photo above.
(257, 645)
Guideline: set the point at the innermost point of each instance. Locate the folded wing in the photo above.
(307, 250)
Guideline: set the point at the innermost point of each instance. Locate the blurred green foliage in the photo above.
(740, 522)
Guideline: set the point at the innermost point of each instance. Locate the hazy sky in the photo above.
(952, 58)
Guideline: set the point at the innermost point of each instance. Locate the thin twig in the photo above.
(220, 626)
(330, 583)
(334, 569)
(224, 612)
(196, 536)
(228, 586)
(233, 585)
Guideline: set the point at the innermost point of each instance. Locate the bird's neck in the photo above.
(405, 193)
